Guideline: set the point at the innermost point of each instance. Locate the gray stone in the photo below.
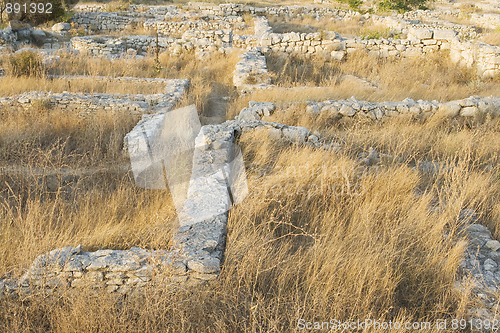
(346, 110)
(58, 27)
(248, 114)
(295, 134)
(469, 111)
(207, 265)
(420, 33)
(73, 266)
(450, 109)
(493, 245)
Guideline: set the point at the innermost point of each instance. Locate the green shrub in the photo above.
(403, 5)
(353, 4)
(26, 63)
(66, 17)
(46, 11)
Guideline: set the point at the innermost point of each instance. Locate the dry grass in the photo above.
(13, 86)
(66, 182)
(308, 24)
(208, 77)
(432, 77)
(492, 37)
(320, 237)
(97, 137)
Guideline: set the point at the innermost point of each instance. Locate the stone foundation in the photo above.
(469, 107)
(85, 103)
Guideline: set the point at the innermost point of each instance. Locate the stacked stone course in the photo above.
(468, 107)
(85, 103)
(208, 28)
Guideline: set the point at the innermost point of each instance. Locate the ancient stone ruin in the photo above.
(199, 242)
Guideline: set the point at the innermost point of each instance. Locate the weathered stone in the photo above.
(295, 134)
(469, 111)
(73, 266)
(445, 34)
(94, 276)
(450, 109)
(207, 265)
(493, 245)
(346, 110)
(58, 27)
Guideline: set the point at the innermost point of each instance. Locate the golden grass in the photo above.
(308, 24)
(17, 85)
(209, 78)
(66, 181)
(93, 140)
(492, 37)
(319, 237)
(432, 77)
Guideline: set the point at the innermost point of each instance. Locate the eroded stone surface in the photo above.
(468, 107)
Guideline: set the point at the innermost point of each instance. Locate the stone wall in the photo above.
(489, 20)
(85, 103)
(198, 243)
(199, 24)
(419, 42)
(251, 71)
(94, 22)
(176, 29)
(115, 47)
(104, 22)
(401, 25)
(468, 107)
(485, 57)
(140, 45)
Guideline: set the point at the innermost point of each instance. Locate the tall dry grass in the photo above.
(66, 181)
(308, 24)
(320, 237)
(491, 37)
(208, 77)
(17, 85)
(428, 78)
(93, 140)
(366, 78)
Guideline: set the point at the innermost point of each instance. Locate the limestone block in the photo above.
(445, 34)
(449, 109)
(295, 134)
(419, 33)
(248, 114)
(204, 265)
(346, 110)
(469, 111)
(338, 55)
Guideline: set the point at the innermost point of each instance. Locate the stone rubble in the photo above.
(208, 28)
(468, 107)
(199, 242)
(251, 71)
(86, 103)
(480, 267)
